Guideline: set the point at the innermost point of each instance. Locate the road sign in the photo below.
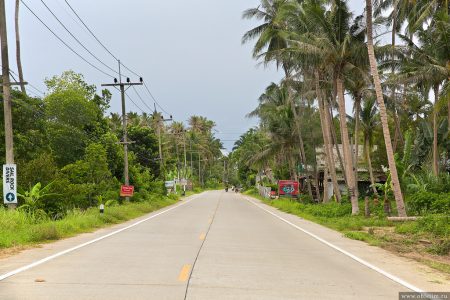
(10, 184)
(288, 188)
(183, 181)
(169, 184)
(126, 191)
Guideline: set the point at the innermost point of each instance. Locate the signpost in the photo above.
(169, 184)
(288, 188)
(126, 191)
(10, 184)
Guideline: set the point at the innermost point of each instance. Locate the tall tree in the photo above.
(383, 114)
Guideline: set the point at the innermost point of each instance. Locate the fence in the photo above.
(264, 191)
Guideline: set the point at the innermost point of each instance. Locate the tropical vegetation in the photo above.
(395, 140)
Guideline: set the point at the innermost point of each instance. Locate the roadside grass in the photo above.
(426, 240)
(19, 228)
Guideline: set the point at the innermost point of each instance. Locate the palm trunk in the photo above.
(384, 122)
(435, 132)
(316, 173)
(299, 133)
(349, 169)
(18, 57)
(357, 110)
(327, 142)
(369, 165)
(301, 144)
(292, 168)
(334, 140)
(398, 137)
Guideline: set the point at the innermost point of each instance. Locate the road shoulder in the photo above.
(409, 270)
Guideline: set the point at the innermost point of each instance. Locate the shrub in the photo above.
(441, 204)
(421, 202)
(424, 202)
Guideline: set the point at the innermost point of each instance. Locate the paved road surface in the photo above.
(238, 251)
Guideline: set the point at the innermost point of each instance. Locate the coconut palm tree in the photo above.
(426, 65)
(383, 114)
(330, 43)
(271, 37)
(369, 123)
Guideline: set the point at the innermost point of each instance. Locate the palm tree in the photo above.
(382, 108)
(271, 37)
(330, 40)
(427, 66)
(369, 123)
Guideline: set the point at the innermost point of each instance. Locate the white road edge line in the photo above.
(354, 257)
(51, 257)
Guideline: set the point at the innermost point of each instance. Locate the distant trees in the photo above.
(69, 150)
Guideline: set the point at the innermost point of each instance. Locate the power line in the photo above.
(62, 41)
(142, 100)
(154, 99)
(114, 56)
(76, 39)
(90, 31)
(11, 72)
(129, 98)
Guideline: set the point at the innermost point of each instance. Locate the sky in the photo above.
(188, 52)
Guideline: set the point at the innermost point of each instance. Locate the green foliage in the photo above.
(41, 169)
(33, 200)
(423, 202)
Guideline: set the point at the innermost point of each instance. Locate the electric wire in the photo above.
(76, 39)
(132, 101)
(112, 55)
(139, 96)
(90, 31)
(154, 99)
(11, 72)
(67, 45)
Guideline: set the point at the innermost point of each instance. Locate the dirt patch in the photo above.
(7, 252)
(416, 247)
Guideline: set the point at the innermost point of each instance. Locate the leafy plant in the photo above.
(33, 199)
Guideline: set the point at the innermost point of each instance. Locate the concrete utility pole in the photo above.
(6, 84)
(125, 141)
(6, 87)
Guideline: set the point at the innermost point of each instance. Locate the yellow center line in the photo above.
(184, 274)
(202, 236)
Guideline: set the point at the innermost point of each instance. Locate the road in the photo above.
(213, 246)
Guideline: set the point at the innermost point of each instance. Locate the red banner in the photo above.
(288, 188)
(126, 191)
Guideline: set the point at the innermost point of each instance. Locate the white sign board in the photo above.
(183, 181)
(10, 184)
(169, 184)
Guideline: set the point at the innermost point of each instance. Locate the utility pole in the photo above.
(7, 107)
(125, 141)
(6, 87)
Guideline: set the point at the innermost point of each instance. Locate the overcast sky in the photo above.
(189, 53)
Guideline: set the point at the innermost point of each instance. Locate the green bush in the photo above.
(441, 204)
(439, 225)
(422, 203)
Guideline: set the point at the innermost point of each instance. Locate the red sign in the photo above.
(126, 191)
(288, 188)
